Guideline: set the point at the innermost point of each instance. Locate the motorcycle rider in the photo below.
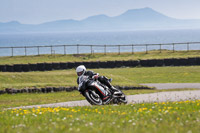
(81, 70)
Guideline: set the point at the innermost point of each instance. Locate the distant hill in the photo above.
(135, 19)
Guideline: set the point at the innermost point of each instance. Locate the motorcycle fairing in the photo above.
(102, 91)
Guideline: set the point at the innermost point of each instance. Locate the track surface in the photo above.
(161, 86)
(141, 98)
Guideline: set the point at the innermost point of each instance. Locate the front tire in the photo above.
(93, 98)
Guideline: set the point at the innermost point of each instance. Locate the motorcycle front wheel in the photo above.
(93, 98)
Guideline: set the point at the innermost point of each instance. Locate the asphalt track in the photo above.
(161, 86)
(141, 98)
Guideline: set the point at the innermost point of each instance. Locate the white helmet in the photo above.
(80, 70)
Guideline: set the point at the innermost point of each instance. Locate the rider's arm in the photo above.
(91, 74)
(78, 81)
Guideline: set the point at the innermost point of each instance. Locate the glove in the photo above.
(95, 77)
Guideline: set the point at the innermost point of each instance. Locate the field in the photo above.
(175, 117)
(98, 57)
(121, 76)
(183, 117)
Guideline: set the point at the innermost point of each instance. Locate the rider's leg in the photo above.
(105, 81)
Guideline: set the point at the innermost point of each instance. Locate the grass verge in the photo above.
(121, 77)
(99, 57)
(149, 117)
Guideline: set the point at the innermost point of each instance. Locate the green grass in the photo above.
(149, 117)
(166, 117)
(98, 57)
(121, 76)
(8, 100)
(25, 99)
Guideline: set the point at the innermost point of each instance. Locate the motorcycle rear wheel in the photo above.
(123, 99)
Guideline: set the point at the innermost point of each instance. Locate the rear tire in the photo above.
(123, 99)
(93, 99)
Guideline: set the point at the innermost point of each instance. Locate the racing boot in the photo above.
(116, 91)
(110, 80)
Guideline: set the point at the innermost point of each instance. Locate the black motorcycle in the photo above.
(95, 92)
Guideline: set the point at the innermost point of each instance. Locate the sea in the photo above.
(71, 39)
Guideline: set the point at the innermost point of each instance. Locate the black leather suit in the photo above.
(101, 79)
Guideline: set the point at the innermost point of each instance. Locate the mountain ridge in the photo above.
(132, 19)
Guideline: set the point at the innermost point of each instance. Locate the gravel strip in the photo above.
(165, 96)
(141, 98)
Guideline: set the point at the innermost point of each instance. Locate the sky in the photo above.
(40, 11)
